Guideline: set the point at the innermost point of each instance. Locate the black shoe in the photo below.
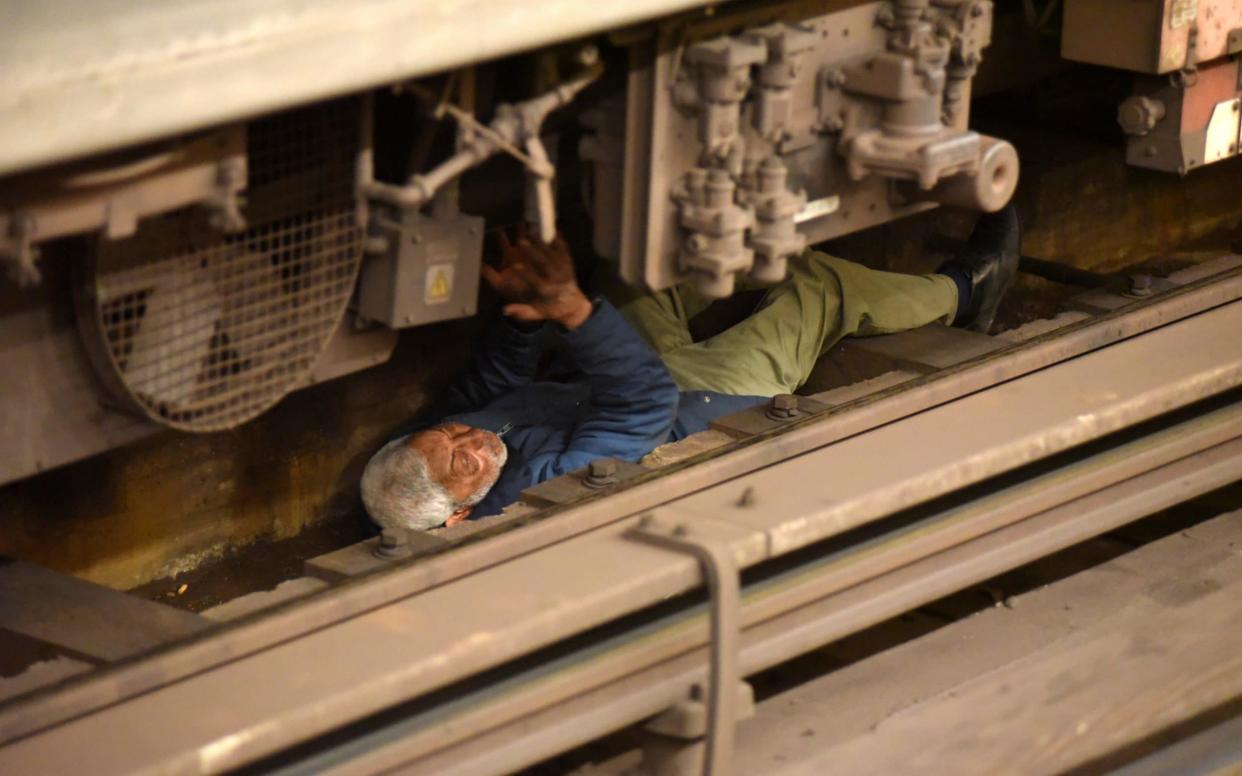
(990, 262)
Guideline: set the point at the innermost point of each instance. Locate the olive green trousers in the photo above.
(821, 300)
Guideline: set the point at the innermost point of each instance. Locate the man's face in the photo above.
(461, 458)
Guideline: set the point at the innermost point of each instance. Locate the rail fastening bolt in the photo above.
(392, 546)
(600, 473)
(588, 55)
(784, 406)
(1140, 286)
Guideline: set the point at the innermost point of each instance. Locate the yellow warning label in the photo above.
(1183, 12)
(439, 285)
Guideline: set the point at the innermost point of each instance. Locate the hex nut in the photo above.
(784, 406)
(392, 546)
(604, 467)
(1139, 115)
(600, 473)
(1140, 286)
(588, 56)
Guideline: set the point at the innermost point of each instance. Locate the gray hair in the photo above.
(398, 491)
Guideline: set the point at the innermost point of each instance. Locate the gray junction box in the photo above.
(427, 271)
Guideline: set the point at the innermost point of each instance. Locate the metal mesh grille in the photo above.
(207, 330)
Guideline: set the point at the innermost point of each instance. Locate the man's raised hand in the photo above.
(537, 282)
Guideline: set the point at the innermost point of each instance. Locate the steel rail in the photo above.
(251, 635)
(512, 702)
(411, 648)
(590, 713)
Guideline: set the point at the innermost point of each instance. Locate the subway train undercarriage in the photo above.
(243, 248)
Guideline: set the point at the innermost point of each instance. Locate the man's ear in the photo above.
(459, 514)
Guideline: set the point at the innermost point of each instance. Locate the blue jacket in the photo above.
(622, 405)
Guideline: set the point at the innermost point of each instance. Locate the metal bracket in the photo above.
(115, 194)
(20, 253)
(569, 487)
(1233, 42)
(720, 573)
(226, 203)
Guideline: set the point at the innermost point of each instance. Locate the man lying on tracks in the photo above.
(634, 395)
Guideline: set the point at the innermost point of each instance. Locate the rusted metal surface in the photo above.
(1179, 124)
(1150, 37)
(893, 403)
(399, 651)
(1184, 112)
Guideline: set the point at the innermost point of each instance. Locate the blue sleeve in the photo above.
(633, 398)
(508, 358)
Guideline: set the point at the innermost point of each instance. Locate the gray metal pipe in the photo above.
(514, 126)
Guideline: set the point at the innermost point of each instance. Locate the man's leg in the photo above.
(662, 318)
(823, 299)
